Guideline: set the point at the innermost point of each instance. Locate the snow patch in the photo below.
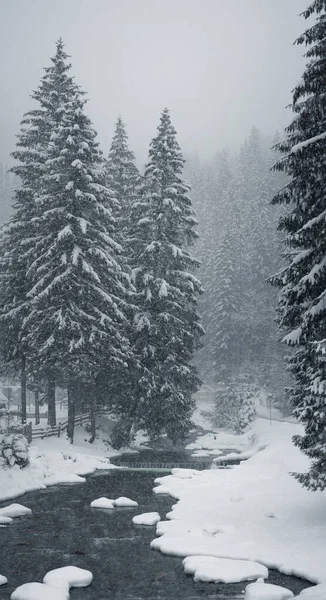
(38, 591)
(161, 489)
(15, 510)
(210, 568)
(266, 591)
(150, 518)
(67, 577)
(5, 520)
(122, 501)
(103, 503)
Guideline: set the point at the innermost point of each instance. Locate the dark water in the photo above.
(64, 530)
(167, 458)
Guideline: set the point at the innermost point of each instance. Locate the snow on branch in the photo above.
(306, 143)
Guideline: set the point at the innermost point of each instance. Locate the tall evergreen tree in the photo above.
(302, 301)
(122, 177)
(22, 232)
(77, 292)
(167, 324)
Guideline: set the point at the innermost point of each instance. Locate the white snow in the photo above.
(266, 591)
(5, 520)
(67, 577)
(163, 291)
(306, 143)
(161, 489)
(210, 568)
(103, 503)
(15, 510)
(122, 501)
(317, 592)
(39, 591)
(150, 518)
(3, 580)
(243, 499)
(54, 460)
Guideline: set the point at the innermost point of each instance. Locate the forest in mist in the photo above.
(239, 248)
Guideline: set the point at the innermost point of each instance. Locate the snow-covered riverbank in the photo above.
(255, 511)
(54, 460)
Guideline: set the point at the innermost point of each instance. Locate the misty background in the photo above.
(220, 67)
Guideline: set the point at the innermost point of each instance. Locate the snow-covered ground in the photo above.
(54, 460)
(255, 511)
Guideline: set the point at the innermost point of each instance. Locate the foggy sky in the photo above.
(220, 66)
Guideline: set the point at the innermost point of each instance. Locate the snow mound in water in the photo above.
(266, 591)
(15, 510)
(39, 591)
(150, 518)
(67, 577)
(3, 580)
(122, 501)
(161, 489)
(5, 520)
(103, 503)
(210, 568)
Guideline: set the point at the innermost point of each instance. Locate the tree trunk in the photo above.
(50, 394)
(23, 382)
(92, 407)
(71, 411)
(37, 407)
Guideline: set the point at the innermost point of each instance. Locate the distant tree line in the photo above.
(239, 248)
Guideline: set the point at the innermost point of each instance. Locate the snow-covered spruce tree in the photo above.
(222, 289)
(302, 299)
(122, 177)
(167, 324)
(76, 284)
(22, 232)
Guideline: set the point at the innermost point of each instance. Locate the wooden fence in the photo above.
(41, 433)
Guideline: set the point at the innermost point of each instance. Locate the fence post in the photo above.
(59, 429)
(28, 432)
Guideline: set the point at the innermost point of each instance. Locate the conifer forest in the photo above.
(163, 300)
(131, 285)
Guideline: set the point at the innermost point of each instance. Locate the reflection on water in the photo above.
(64, 530)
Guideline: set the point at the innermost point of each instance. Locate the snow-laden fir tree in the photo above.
(74, 286)
(167, 324)
(122, 177)
(302, 299)
(222, 289)
(78, 293)
(20, 235)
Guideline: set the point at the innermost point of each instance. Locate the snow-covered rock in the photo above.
(103, 503)
(266, 591)
(39, 591)
(3, 580)
(210, 568)
(150, 518)
(15, 510)
(122, 501)
(5, 520)
(67, 577)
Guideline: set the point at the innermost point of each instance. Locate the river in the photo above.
(64, 530)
